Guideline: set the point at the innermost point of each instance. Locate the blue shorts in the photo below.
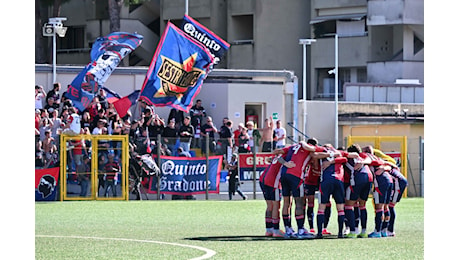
(399, 187)
(358, 191)
(291, 185)
(382, 193)
(310, 189)
(332, 187)
(270, 193)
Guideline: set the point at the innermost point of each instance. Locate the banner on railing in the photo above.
(46, 181)
(247, 165)
(187, 176)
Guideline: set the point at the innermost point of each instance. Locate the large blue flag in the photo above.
(177, 70)
(213, 43)
(106, 54)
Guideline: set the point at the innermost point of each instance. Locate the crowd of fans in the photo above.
(179, 133)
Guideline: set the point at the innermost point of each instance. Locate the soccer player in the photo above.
(271, 188)
(383, 185)
(358, 183)
(311, 185)
(331, 183)
(292, 185)
(399, 186)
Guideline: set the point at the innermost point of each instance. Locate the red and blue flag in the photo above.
(123, 104)
(106, 54)
(209, 39)
(176, 73)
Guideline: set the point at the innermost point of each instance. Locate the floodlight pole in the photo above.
(336, 96)
(304, 43)
(54, 57)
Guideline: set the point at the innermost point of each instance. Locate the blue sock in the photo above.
(341, 220)
(310, 215)
(378, 220)
(320, 221)
(392, 219)
(327, 215)
(350, 216)
(363, 217)
(356, 211)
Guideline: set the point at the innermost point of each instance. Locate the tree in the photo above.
(114, 14)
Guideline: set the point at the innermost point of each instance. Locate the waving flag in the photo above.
(177, 70)
(111, 95)
(213, 43)
(123, 104)
(106, 54)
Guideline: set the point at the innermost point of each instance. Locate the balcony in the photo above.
(395, 12)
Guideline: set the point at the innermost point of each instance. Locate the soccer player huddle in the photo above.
(348, 176)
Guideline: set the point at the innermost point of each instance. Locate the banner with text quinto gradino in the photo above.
(187, 176)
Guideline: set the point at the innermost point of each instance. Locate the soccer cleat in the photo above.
(289, 233)
(326, 232)
(303, 234)
(391, 234)
(375, 235)
(383, 234)
(351, 235)
(362, 235)
(278, 233)
(269, 232)
(312, 230)
(340, 236)
(319, 236)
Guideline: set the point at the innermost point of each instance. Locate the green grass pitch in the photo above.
(198, 229)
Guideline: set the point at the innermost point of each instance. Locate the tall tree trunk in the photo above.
(40, 41)
(114, 14)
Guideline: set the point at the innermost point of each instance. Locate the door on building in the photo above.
(255, 112)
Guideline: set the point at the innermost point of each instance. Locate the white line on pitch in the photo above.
(209, 252)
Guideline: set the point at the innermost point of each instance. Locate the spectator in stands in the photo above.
(37, 124)
(186, 133)
(100, 115)
(226, 138)
(111, 168)
(243, 141)
(237, 133)
(210, 129)
(84, 176)
(254, 135)
(45, 123)
(267, 135)
(182, 153)
(93, 109)
(85, 120)
(197, 113)
(102, 96)
(50, 103)
(170, 136)
(54, 93)
(39, 96)
(178, 115)
(39, 155)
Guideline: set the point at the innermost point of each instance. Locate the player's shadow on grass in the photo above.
(245, 238)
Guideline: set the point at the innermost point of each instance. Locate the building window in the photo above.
(362, 75)
(74, 38)
(243, 29)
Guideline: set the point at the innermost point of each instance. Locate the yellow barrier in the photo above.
(95, 150)
(378, 141)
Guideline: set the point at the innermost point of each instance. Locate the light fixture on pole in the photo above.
(53, 27)
(304, 43)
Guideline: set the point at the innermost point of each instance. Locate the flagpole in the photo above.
(186, 7)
